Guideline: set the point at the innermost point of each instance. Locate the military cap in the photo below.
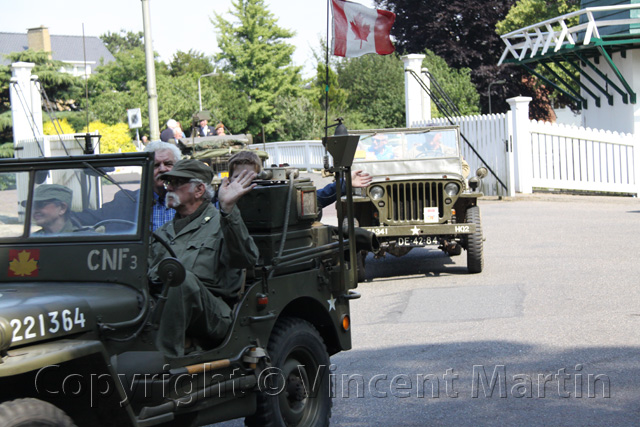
(190, 168)
(53, 192)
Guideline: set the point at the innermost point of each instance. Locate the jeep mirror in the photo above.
(342, 148)
(481, 172)
(171, 272)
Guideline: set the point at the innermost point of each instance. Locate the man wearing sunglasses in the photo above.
(213, 245)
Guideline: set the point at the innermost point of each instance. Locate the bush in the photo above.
(49, 129)
(115, 138)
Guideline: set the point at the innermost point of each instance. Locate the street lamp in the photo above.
(199, 90)
(497, 82)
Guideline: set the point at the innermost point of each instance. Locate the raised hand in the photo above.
(360, 179)
(230, 192)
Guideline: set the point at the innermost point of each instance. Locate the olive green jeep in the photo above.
(419, 195)
(79, 315)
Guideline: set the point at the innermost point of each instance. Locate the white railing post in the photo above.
(636, 164)
(519, 118)
(511, 166)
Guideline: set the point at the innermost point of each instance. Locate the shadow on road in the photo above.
(486, 383)
(420, 261)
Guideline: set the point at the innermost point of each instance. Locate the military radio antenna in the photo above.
(88, 145)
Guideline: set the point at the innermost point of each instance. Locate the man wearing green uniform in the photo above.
(213, 245)
(52, 209)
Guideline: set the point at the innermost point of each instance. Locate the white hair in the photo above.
(209, 192)
(172, 124)
(154, 146)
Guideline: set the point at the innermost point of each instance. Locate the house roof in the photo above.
(63, 48)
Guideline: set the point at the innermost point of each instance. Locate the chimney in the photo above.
(38, 39)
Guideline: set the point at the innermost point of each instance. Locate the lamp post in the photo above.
(199, 90)
(497, 82)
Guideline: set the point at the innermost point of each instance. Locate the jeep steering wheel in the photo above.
(112, 221)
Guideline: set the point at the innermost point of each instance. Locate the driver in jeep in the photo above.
(213, 245)
(52, 209)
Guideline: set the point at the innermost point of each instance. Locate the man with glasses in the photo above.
(124, 203)
(213, 245)
(51, 209)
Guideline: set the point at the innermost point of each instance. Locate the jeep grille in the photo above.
(406, 201)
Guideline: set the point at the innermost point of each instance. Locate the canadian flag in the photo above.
(358, 30)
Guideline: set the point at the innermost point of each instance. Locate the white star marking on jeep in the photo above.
(415, 230)
(332, 303)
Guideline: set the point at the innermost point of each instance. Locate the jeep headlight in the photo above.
(6, 334)
(451, 189)
(376, 192)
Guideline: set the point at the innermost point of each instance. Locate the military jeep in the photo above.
(79, 315)
(419, 196)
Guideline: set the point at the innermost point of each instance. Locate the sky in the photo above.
(175, 25)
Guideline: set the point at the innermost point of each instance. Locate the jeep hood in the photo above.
(45, 310)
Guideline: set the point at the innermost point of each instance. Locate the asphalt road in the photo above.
(554, 317)
(553, 320)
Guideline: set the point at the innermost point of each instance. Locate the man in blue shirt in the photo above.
(123, 205)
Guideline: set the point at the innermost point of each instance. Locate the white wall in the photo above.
(619, 117)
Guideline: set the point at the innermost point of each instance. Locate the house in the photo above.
(68, 49)
(602, 46)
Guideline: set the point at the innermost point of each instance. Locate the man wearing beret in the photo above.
(213, 245)
(52, 209)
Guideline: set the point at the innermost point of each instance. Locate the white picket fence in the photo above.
(522, 154)
(577, 158)
(488, 135)
(51, 146)
(308, 154)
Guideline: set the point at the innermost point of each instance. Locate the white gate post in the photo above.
(519, 118)
(26, 104)
(511, 166)
(413, 92)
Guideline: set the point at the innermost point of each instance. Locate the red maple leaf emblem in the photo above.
(360, 29)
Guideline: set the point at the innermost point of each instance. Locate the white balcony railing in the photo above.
(538, 38)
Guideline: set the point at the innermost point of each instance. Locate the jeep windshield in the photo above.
(72, 198)
(425, 144)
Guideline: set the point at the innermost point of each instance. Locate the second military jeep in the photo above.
(419, 196)
(79, 314)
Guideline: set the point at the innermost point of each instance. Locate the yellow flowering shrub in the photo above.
(115, 139)
(49, 129)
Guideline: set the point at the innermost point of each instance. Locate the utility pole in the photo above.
(152, 94)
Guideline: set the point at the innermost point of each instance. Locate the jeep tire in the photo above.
(475, 259)
(32, 413)
(299, 359)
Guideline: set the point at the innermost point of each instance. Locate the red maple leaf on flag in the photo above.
(360, 29)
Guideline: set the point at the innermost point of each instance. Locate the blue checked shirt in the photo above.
(160, 212)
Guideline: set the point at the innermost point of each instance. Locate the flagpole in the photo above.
(326, 79)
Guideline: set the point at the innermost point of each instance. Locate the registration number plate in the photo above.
(416, 241)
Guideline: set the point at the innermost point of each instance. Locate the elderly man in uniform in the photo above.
(52, 209)
(213, 245)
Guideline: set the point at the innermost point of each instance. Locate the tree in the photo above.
(455, 83)
(192, 62)
(461, 32)
(124, 41)
(529, 12)
(60, 87)
(254, 50)
(375, 87)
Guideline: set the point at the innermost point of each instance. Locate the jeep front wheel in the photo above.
(32, 412)
(475, 259)
(299, 394)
